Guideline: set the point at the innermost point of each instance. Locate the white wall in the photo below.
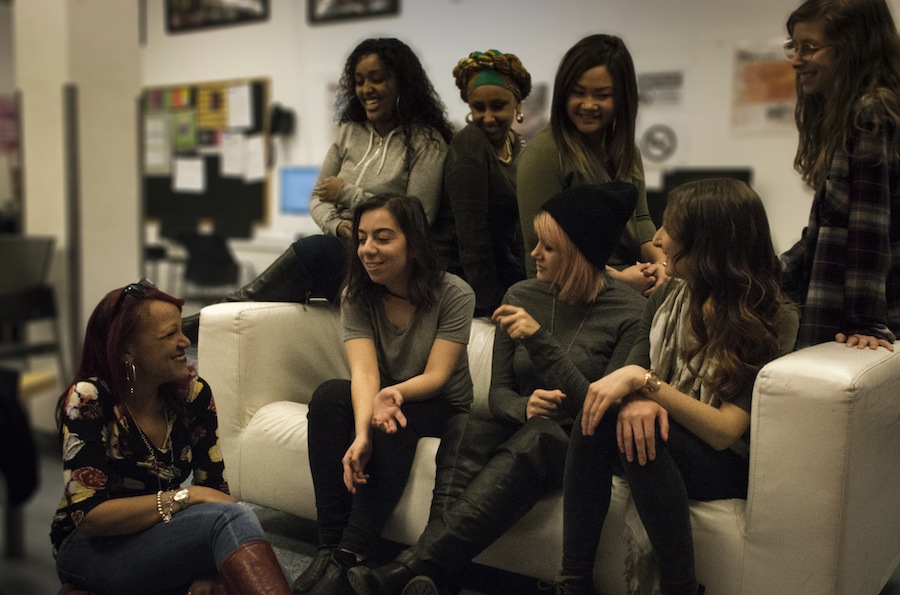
(93, 45)
(697, 37)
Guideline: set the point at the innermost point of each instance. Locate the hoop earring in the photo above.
(520, 117)
(399, 115)
(132, 378)
(468, 118)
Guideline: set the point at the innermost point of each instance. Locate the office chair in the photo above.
(26, 298)
(211, 271)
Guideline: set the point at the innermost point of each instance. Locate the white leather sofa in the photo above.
(822, 516)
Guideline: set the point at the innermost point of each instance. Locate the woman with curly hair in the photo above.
(845, 269)
(135, 424)
(590, 140)
(677, 415)
(480, 179)
(392, 139)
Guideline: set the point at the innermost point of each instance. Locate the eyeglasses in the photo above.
(137, 290)
(805, 50)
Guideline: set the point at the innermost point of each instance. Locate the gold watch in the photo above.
(651, 382)
(182, 496)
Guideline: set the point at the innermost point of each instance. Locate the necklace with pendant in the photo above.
(154, 466)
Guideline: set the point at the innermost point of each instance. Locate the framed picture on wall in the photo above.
(320, 11)
(191, 15)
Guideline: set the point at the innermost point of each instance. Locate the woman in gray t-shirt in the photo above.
(406, 327)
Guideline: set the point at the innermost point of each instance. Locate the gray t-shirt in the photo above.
(403, 353)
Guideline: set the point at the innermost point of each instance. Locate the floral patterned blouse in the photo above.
(105, 455)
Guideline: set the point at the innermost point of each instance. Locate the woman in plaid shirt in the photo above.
(845, 269)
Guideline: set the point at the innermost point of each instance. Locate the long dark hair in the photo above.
(112, 327)
(730, 266)
(867, 90)
(417, 105)
(620, 155)
(425, 270)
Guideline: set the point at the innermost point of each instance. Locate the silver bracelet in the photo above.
(165, 516)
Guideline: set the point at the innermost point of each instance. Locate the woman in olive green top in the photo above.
(590, 140)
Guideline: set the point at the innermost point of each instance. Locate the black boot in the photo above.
(313, 573)
(334, 580)
(385, 580)
(313, 266)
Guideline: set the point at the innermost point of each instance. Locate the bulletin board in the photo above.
(204, 156)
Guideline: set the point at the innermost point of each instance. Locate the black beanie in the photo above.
(594, 217)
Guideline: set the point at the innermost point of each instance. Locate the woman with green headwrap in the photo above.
(478, 230)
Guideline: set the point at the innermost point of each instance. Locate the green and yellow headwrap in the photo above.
(484, 68)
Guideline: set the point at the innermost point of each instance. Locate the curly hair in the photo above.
(734, 293)
(417, 102)
(867, 92)
(425, 270)
(508, 65)
(620, 155)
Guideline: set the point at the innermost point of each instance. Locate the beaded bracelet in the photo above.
(165, 516)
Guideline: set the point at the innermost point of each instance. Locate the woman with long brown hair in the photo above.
(677, 414)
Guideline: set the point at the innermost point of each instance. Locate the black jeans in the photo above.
(355, 522)
(489, 474)
(685, 468)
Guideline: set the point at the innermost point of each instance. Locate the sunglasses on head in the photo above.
(137, 290)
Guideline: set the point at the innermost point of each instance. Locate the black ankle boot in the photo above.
(385, 580)
(313, 573)
(334, 579)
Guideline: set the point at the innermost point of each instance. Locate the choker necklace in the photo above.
(508, 146)
(153, 464)
(553, 322)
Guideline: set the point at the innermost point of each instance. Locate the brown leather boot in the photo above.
(253, 569)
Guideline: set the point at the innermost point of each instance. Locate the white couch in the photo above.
(823, 512)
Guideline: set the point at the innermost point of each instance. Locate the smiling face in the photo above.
(158, 351)
(547, 257)
(815, 69)
(376, 90)
(493, 111)
(590, 104)
(672, 248)
(382, 249)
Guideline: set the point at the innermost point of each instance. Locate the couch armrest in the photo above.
(256, 353)
(824, 473)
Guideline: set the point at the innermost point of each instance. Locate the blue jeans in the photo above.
(166, 557)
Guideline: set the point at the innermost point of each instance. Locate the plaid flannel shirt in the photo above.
(845, 270)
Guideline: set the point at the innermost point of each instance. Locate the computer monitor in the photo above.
(676, 177)
(296, 187)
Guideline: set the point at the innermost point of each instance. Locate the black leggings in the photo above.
(685, 468)
(355, 522)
